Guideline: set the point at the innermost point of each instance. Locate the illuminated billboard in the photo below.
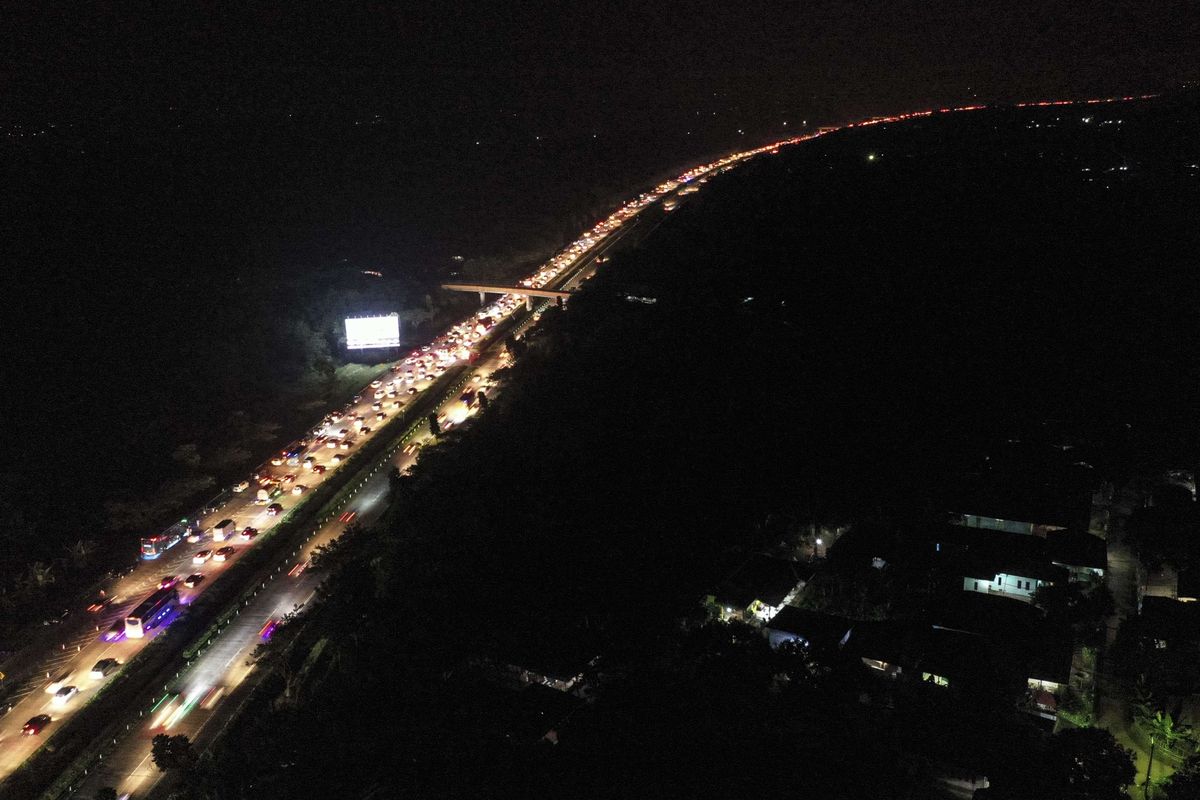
(366, 332)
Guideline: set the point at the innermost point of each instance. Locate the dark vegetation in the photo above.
(834, 336)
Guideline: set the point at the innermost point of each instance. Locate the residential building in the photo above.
(759, 588)
(1084, 556)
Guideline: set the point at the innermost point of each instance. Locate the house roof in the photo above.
(1049, 654)
(1170, 620)
(1188, 584)
(1040, 505)
(1074, 548)
(983, 564)
(948, 653)
(972, 539)
(988, 614)
(561, 657)
(761, 577)
(537, 709)
(822, 631)
(521, 716)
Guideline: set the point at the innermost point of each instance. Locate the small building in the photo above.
(538, 712)
(819, 633)
(1010, 577)
(1187, 585)
(1084, 556)
(525, 716)
(563, 663)
(919, 652)
(757, 590)
(1161, 582)
(1031, 513)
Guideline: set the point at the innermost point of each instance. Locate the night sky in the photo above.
(569, 70)
(150, 152)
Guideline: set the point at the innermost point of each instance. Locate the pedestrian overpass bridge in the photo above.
(528, 292)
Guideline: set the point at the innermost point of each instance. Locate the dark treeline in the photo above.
(838, 331)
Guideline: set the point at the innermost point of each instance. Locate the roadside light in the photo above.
(819, 540)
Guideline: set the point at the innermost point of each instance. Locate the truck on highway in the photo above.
(225, 529)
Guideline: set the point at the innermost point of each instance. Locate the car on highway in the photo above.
(269, 628)
(224, 553)
(99, 604)
(380, 393)
(35, 725)
(335, 460)
(318, 469)
(202, 556)
(345, 444)
(193, 580)
(277, 461)
(299, 489)
(412, 390)
(376, 384)
(275, 509)
(365, 431)
(62, 679)
(376, 406)
(195, 536)
(114, 632)
(380, 416)
(64, 695)
(167, 581)
(289, 478)
(103, 667)
(242, 486)
(248, 534)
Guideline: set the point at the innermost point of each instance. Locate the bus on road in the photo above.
(155, 546)
(150, 612)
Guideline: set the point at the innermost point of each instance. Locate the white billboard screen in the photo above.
(365, 332)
